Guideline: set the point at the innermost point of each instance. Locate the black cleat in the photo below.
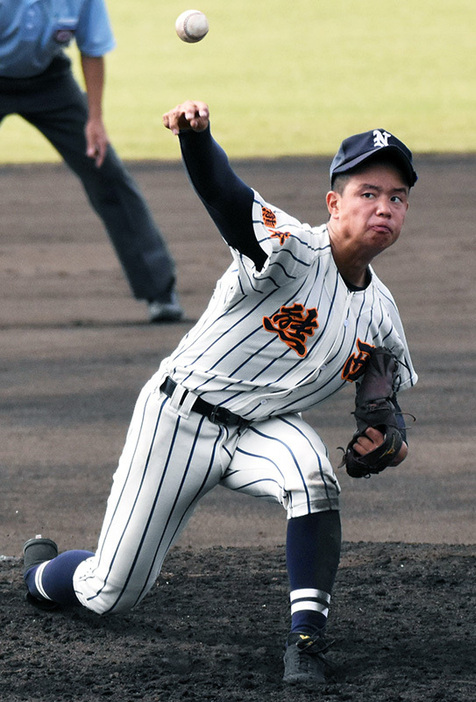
(304, 660)
(38, 550)
(44, 605)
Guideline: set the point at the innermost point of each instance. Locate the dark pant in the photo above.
(55, 105)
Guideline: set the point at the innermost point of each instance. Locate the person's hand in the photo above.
(96, 140)
(374, 438)
(191, 114)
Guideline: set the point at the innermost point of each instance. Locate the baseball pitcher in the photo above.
(299, 315)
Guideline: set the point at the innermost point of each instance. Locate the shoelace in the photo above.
(314, 645)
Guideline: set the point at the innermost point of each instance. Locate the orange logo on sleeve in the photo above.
(270, 221)
(355, 364)
(269, 218)
(293, 325)
(282, 236)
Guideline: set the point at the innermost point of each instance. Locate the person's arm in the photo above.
(226, 197)
(95, 131)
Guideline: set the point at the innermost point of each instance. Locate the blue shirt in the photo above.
(33, 32)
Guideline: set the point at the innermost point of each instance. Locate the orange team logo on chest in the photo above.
(355, 364)
(294, 325)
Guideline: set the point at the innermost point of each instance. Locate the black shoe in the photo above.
(44, 605)
(304, 660)
(38, 550)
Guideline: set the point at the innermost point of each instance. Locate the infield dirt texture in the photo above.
(76, 349)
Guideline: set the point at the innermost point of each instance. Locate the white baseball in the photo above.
(191, 26)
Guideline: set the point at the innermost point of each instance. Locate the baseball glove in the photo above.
(374, 408)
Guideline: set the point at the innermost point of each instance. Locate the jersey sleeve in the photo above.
(94, 35)
(271, 247)
(291, 247)
(226, 197)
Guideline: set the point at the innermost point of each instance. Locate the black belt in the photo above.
(215, 413)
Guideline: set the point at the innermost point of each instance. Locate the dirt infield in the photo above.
(403, 624)
(76, 350)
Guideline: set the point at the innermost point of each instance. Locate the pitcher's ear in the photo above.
(333, 202)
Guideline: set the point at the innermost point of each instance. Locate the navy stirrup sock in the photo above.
(53, 580)
(312, 554)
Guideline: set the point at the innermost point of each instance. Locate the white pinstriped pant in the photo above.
(168, 463)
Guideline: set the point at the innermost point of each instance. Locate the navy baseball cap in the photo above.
(358, 148)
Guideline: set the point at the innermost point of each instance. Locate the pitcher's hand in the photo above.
(191, 114)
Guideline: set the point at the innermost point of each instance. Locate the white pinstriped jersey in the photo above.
(286, 337)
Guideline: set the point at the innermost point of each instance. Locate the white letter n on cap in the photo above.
(380, 138)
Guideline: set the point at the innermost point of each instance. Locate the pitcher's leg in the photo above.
(168, 463)
(313, 546)
(283, 459)
(157, 486)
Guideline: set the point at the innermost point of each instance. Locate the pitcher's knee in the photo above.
(106, 599)
(104, 591)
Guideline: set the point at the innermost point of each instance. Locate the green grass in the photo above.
(286, 77)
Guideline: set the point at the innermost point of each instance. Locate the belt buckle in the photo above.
(222, 415)
(213, 416)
